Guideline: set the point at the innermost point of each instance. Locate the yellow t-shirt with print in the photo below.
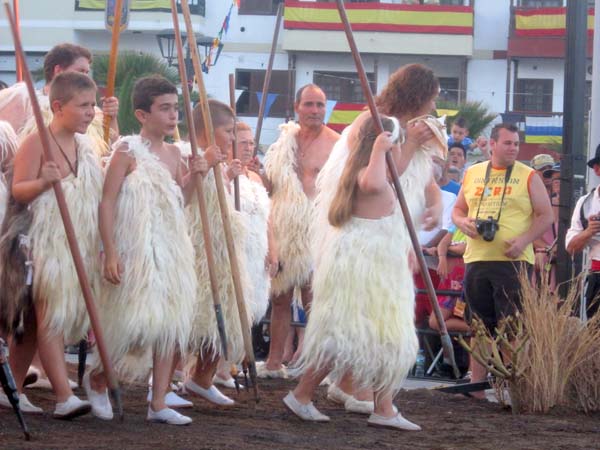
(517, 212)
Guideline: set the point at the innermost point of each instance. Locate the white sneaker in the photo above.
(305, 412)
(24, 403)
(359, 406)
(212, 394)
(397, 422)
(101, 407)
(228, 383)
(336, 395)
(73, 407)
(172, 400)
(167, 415)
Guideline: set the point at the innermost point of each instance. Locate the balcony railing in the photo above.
(196, 6)
(381, 17)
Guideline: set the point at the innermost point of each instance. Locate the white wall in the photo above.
(546, 69)
(486, 81)
(491, 22)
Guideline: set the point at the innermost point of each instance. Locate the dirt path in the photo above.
(448, 421)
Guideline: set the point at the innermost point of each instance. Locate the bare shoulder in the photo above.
(331, 135)
(173, 150)
(30, 148)
(253, 176)
(121, 155)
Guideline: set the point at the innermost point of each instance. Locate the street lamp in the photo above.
(166, 44)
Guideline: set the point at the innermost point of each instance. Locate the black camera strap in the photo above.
(486, 180)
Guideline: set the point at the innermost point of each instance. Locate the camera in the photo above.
(487, 228)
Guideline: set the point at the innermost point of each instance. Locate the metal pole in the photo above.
(573, 166)
(593, 180)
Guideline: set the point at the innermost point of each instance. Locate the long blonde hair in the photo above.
(340, 210)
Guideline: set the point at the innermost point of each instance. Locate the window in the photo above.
(448, 90)
(541, 3)
(196, 6)
(251, 83)
(259, 7)
(532, 95)
(343, 86)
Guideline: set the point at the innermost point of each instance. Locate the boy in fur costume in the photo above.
(291, 168)
(60, 313)
(411, 91)
(15, 106)
(258, 247)
(205, 335)
(149, 257)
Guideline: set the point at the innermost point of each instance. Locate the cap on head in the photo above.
(542, 160)
(596, 159)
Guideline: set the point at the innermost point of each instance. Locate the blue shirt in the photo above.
(452, 187)
(466, 142)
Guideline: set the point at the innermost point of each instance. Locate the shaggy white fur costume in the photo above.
(152, 307)
(55, 279)
(291, 212)
(95, 130)
(362, 314)
(8, 146)
(255, 206)
(205, 335)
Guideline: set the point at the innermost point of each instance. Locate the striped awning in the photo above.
(381, 17)
(541, 22)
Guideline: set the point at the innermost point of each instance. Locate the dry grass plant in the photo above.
(554, 359)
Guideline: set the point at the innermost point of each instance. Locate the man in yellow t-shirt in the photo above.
(502, 208)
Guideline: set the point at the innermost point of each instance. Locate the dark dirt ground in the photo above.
(448, 422)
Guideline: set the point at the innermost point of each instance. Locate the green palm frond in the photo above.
(477, 115)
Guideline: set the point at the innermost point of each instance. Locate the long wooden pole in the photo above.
(68, 224)
(445, 338)
(18, 27)
(112, 65)
(199, 184)
(236, 180)
(267, 81)
(235, 269)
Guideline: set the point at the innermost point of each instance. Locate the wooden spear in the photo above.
(236, 180)
(18, 27)
(445, 338)
(267, 82)
(113, 385)
(112, 65)
(199, 184)
(210, 135)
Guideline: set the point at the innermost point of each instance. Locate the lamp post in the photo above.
(166, 44)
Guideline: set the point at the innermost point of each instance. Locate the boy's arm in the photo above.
(115, 175)
(373, 178)
(197, 167)
(31, 178)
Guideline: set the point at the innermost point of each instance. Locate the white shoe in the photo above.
(263, 372)
(336, 395)
(397, 422)
(212, 394)
(73, 407)
(167, 415)
(305, 412)
(228, 383)
(172, 400)
(24, 403)
(101, 407)
(359, 406)
(44, 383)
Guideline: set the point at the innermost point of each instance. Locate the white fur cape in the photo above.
(55, 279)
(15, 107)
(152, 307)
(205, 335)
(8, 146)
(362, 314)
(291, 212)
(255, 206)
(95, 130)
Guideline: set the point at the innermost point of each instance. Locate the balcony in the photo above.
(540, 32)
(380, 28)
(144, 15)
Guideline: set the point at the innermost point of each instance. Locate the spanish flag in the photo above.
(540, 22)
(343, 114)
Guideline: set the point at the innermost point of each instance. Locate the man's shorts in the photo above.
(493, 290)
